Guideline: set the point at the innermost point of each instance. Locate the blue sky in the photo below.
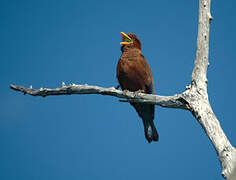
(96, 137)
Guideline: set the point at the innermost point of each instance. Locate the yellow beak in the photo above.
(125, 39)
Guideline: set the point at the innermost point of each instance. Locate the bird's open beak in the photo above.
(125, 39)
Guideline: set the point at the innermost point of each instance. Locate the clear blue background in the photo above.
(96, 137)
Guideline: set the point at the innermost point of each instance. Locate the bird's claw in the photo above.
(139, 91)
(125, 91)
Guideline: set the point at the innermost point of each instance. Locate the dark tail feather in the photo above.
(150, 131)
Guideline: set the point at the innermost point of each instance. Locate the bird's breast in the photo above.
(131, 73)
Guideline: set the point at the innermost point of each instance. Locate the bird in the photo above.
(134, 74)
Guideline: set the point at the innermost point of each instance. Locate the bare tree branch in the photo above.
(195, 98)
(175, 101)
(201, 60)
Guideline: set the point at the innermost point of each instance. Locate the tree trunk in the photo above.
(194, 98)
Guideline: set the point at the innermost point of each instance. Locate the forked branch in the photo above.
(195, 98)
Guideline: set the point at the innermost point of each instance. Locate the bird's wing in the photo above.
(149, 80)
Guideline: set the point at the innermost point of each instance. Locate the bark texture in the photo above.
(194, 98)
(175, 101)
(197, 95)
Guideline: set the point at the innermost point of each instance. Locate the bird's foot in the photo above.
(139, 91)
(125, 91)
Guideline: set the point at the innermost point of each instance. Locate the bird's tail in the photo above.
(150, 131)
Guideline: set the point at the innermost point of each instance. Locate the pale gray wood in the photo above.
(194, 98)
(197, 95)
(175, 101)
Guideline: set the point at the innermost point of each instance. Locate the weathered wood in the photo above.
(175, 101)
(194, 99)
(197, 96)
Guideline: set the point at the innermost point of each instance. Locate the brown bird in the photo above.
(134, 74)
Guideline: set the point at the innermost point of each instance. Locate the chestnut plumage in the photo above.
(134, 74)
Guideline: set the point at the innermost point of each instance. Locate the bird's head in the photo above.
(130, 40)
